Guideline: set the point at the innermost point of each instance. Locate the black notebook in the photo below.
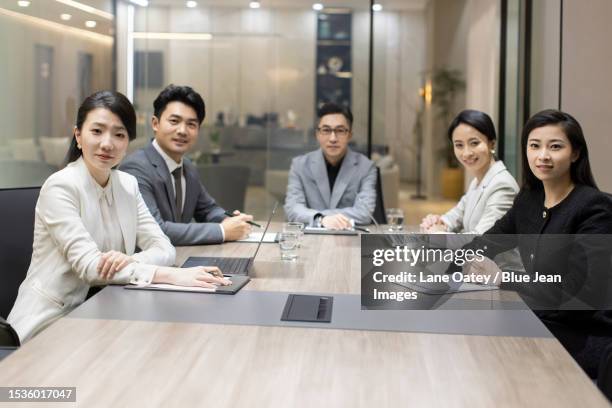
(238, 283)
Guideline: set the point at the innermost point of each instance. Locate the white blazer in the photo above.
(483, 203)
(67, 238)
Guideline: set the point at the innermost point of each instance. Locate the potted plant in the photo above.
(215, 140)
(446, 84)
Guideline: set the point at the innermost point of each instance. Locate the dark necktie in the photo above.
(178, 188)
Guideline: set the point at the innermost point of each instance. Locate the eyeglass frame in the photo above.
(334, 131)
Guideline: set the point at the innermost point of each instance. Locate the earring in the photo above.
(492, 151)
(79, 146)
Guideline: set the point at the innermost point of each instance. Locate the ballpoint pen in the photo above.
(229, 214)
(361, 229)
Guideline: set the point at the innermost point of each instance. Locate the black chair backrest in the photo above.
(24, 173)
(379, 210)
(227, 184)
(16, 237)
(604, 378)
(8, 336)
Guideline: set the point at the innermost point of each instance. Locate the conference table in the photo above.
(126, 348)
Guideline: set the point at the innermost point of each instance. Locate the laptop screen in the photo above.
(266, 229)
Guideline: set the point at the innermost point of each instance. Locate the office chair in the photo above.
(16, 237)
(22, 173)
(604, 377)
(8, 337)
(227, 184)
(379, 214)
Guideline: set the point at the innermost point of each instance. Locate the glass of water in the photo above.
(395, 219)
(297, 227)
(288, 243)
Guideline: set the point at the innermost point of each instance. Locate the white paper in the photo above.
(270, 237)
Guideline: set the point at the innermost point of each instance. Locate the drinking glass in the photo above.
(295, 227)
(395, 219)
(288, 243)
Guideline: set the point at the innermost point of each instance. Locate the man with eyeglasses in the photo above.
(332, 187)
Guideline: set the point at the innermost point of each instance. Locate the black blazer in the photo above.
(563, 239)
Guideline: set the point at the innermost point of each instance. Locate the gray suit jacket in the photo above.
(308, 193)
(155, 183)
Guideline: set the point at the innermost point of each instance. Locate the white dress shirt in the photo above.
(172, 165)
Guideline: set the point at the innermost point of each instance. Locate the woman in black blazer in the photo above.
(559, 196)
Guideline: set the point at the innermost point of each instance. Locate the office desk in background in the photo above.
(123, 362)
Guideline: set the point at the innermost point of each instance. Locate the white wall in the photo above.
(586, 78)
(399, 56)
(18, 38)
(545, 54)
(464, 35)
(482, 57)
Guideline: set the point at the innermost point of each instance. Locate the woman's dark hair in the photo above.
(184, 94)
(580, 170)
(114, 102)
(476, 119)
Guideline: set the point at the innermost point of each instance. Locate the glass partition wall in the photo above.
(53, 53)
(263, 69)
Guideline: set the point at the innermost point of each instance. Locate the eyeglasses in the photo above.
(339, 131)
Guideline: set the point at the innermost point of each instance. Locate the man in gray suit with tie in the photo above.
(169, 182)
(333, 187)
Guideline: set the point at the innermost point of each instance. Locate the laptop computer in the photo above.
(230, 266)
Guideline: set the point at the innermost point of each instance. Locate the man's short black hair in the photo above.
(184, 94)
(331, 108)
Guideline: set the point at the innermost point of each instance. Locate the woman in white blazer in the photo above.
(493, 188)
(89, 220)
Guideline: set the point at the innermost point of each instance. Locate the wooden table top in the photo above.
(142, 363)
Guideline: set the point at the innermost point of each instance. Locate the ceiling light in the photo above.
(90, 24)
(172, 36)
(317, 7)
(141, 3)
(23, 3)
(191, 4)
(377, 7)
(65, 16)
(87, 9)
(254, 5)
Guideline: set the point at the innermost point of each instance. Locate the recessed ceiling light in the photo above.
(141, 3)
(90, 24)
(87, 9)
(65, 16)
(191, 4)
(23, 3)
(317, 6)
(254, 5)
(377, 7)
